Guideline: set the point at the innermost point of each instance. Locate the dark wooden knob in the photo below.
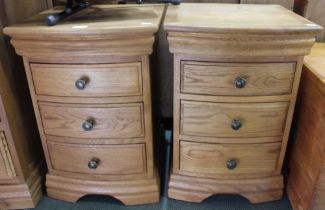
(93, 163)
(88, 125)
(236, 124)
(231, 164)
(240, 82)
(81, 83)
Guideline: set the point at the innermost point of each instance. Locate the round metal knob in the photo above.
(231, 164)
(240, 82)
(93, 163)
(81, 83)
(88, 125)
(236, 124)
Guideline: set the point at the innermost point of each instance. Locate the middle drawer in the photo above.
(233, 119)
(93, 121)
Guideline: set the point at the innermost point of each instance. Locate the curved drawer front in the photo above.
(93, 121)
(98, 159)
(218, 159)
(233, 119)
(98, 80)
(237, 79)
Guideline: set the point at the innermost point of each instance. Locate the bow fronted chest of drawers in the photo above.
(236, 74)
(89, 78)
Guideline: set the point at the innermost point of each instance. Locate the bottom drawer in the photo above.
(227, 159)
(98, 159)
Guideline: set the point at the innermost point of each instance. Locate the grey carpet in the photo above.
(217, 202)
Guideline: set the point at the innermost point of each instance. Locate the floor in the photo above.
(217, 202)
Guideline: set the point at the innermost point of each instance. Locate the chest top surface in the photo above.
(236, 18)
(315, 62)
(99, 20)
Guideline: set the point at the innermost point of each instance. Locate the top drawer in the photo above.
(89, 80)
(240, 79)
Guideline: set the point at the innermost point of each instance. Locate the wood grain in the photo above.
(234, 32)
(219, 78)
(110, 121)
(123, 79)
(306, 175)
(227, 140)
(236, 19)
(21, 188)
(196, 189)
(7, 168)
(95, 141)
(234, 37)
(129, 192)
(111, 44)
(319, 202)
(113, 159)
(214, 119)
(22, 195)
(314, 63)
(98, 21)
(209, 160)
(285, 3)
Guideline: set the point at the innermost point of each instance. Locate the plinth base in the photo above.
(196, 189)
(129, 192)
(22, 195)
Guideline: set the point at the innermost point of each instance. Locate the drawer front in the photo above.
(7, 169)
(229, 159)
(98, 80)
(93, 121)
(237, 79)
(233, 119)
(98, 159)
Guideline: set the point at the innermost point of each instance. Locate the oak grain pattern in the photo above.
(219, 78)
(306, 182)
(109, 35)
(319, 202)
(314, 65)
(7, 168)
(285, 3)
(196, 189)
(227, 140)
(134, 191)
(214, 119)
(113, 159)
(23, 190)
(236, 19)
(234, 34)
(211, 159)
(122, 79)
(308, 149)
(98, 21)
(110, 120)
(243, 30)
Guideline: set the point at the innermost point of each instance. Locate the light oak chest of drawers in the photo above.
(236, 73)
(89, 79)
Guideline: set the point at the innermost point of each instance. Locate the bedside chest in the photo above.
(236, 73)
(89, 79)
(306, 180)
